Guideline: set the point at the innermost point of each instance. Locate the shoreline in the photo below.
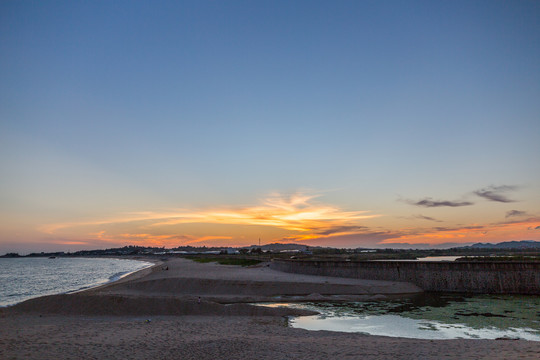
(130, 274)
(111, 279)
(154, 313)
(188, 287)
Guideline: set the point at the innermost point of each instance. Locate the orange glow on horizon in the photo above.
(473, 233)
(294, 218)
(297, 213)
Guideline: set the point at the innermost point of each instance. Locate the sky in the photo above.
(216, 123)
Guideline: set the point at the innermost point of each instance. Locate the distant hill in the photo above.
(281, 247)
(523, 244)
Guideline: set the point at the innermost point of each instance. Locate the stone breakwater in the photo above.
(473, 277)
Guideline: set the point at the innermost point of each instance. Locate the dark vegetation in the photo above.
(522, 251)
(520, 258)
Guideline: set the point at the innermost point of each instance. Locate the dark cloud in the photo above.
(515, 213)
(426, 218)
(365, 239)
(496, 193)
(428, 202)
(533, 219)
(341, 229)
(474, 227)
(537, 228)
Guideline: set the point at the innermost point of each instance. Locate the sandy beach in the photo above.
(155, 313)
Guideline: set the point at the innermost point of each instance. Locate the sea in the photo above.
(25, 278)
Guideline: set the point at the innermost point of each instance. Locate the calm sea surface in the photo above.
(26, 278)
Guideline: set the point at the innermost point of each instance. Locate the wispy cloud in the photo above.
(117, 219)
(298, 212)
(496, 193)
(69, 242)
(532, 219)
(474, 232)
(429, 202)
(513, 213)
(423, 217)
(343, 229)
(492, 193)
(459, 228)
(366, 237)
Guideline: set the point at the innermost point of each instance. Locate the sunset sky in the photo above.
(331, 123)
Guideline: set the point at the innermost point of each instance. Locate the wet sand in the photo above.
(112, 321)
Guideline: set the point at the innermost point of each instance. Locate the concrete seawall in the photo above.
(473, 277)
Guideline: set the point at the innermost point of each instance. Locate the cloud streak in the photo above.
(496, 193)
(298, 212)
(430, 203)
(491, 193)
(474, 232)
(513, 213)
(423, 217)
(343, 229)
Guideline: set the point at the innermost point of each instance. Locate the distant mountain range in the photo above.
(280, 247)
(523, 244)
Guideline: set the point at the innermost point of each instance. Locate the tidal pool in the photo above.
(429, 316)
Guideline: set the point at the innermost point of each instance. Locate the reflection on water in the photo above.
(439, 258)
(430, 316)
(428, 258)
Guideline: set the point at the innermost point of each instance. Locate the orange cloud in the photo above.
(70, 243)
(490, 232)
(149, 239)
(126, 218)
(298, 217)
(298, 212)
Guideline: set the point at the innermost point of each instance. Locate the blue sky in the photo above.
(110, 109)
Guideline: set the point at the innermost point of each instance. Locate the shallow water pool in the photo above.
(430, 316)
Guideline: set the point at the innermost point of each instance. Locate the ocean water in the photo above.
(25, 278)
(430, 316)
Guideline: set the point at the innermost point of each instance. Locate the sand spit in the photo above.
(137, 318)
(225, 283)
(174, 287)
(83, 304)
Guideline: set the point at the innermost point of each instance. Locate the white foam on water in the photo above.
(25, 278)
